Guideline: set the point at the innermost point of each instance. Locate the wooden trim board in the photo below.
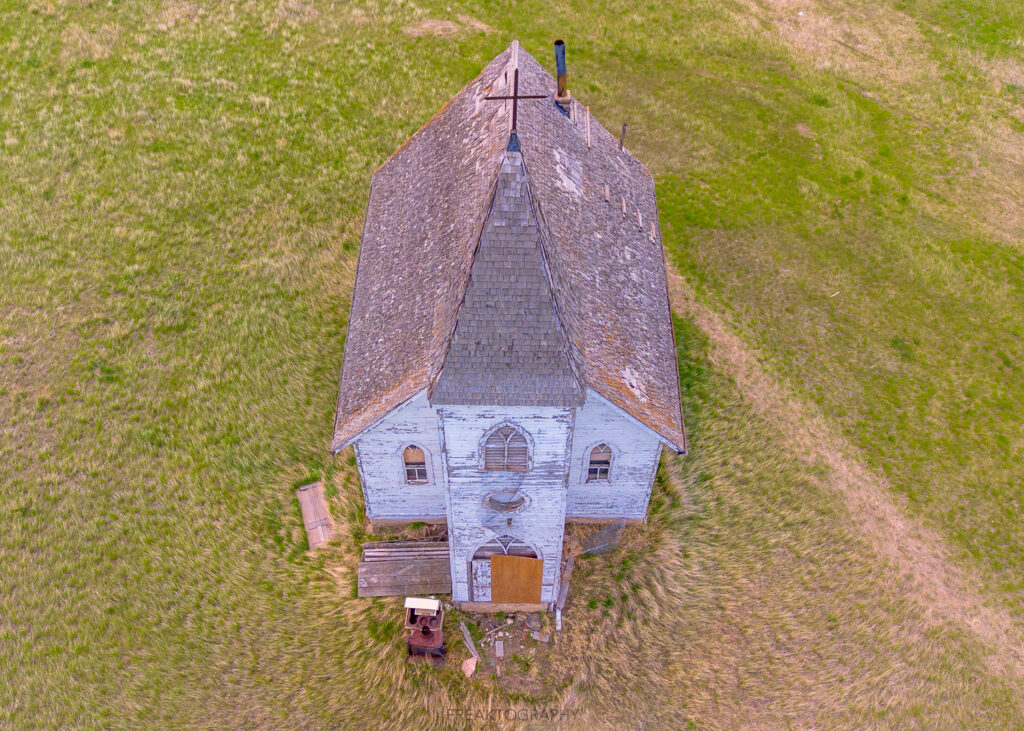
(492, 607)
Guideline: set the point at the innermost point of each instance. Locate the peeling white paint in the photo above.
(555, 485)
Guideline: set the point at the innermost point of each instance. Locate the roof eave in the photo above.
(675, 442)
(344, 435)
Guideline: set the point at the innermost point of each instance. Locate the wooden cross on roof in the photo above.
(515, 97)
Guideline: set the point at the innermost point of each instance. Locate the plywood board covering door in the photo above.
(515, 579)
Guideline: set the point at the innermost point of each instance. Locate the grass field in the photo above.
(181, 195)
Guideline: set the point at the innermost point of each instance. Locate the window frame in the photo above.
(588, 455)
(425, 465)
(517, 429)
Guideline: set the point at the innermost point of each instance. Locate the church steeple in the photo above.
(509, 348)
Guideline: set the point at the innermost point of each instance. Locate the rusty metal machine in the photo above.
(423, 627)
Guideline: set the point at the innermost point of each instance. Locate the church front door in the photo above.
(516, 579)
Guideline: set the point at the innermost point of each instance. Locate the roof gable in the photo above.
(508, 348)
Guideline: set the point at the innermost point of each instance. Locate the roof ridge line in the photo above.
(433, 377)
(575, 364)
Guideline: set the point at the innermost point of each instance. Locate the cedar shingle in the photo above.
(606, 275)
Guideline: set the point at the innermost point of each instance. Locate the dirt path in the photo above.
(917, 552)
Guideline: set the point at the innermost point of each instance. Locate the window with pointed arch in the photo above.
(600, 465)
(506, 448)
(415, 460)
(505, 546)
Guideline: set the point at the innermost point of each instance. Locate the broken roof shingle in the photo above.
(426, 215)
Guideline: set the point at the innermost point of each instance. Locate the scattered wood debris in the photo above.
(469, 642)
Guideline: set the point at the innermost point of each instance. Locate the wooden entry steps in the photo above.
(404, 568)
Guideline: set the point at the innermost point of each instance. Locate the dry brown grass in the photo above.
(81, 44)
(432, 27)
(447, 28)
(175, 12)
(474, 24)
(175, 284)
(293, 13)
(868, 41)
(944, 588)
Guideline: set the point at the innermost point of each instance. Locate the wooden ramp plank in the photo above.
(315, 516)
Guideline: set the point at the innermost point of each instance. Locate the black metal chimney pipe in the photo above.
(563, 87)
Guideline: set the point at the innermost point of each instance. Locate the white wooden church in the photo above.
(510, 363)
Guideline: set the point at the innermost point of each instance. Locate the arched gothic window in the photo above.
(415, 465)
(506, 449)
(600, 463)
(505, 546)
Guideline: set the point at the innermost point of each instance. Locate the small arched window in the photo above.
(506, 449)
(600, 463)
(415, 465)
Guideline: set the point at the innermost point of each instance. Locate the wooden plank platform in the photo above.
(403, 568)
(315, 516)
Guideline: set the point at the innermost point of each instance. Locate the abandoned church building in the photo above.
(510, 363)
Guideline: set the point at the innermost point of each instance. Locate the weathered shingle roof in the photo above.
(419, 319)
(508, 348)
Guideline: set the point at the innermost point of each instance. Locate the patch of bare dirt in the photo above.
(473, 24)
(918, 553)
(864, 40)
(443, 28)
(447, 28)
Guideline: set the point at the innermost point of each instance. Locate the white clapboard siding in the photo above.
(553, 481)
(470, 522)
(635, 454)
(382, 470)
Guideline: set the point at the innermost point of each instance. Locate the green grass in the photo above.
(181, 197)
